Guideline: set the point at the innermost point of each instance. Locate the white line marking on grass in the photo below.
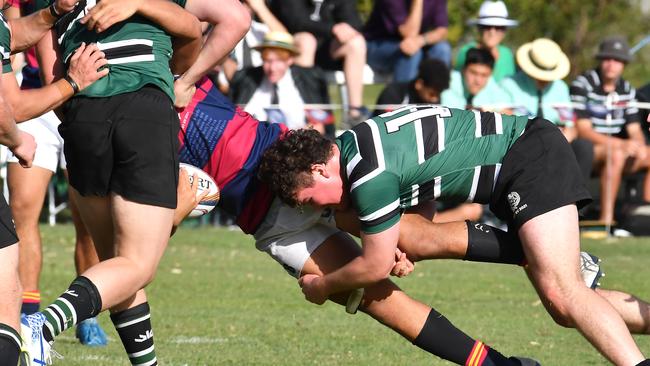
(197, 340)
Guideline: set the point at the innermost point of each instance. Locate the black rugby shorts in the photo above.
(126, 144)
(538, 174)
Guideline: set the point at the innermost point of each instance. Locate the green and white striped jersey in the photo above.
(5, 44)
(415, 154)
(138, 51)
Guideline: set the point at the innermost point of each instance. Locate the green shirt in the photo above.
(415, 154)
(504, 66)
(138, 51)
(5, 44)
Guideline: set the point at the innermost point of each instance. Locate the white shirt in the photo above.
(289, 102)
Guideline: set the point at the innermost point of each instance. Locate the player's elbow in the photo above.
(379, 271)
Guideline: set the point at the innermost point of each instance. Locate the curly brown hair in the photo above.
(286, 164)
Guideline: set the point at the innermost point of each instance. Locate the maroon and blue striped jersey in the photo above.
(227, 143)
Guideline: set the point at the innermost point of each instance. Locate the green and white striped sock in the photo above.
(80, 302)
(134, 327)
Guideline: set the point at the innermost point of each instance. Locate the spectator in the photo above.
(474, 86)
(614, 128)
(538, 90)
(399, 35)
(327, 34)
(492, 24)
(278, 90)
(432, 79)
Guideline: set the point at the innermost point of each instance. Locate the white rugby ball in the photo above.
(206, 183)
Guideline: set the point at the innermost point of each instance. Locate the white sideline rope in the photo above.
(490, 107)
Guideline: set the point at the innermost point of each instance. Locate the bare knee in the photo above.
(558, 305)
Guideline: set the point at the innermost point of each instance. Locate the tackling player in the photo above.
(15, 36)
(524, 169)
(227, 143)
(28, 186)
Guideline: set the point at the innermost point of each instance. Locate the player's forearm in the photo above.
(35, 102)
(358, 273)
(172, 18)
(27, 31)
(9, 135)
(49, 62)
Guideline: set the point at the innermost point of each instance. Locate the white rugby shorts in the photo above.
(291, 235)
(49, 144)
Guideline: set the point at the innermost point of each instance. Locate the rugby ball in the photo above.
(206, 183)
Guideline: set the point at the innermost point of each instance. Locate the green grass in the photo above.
(218, 301)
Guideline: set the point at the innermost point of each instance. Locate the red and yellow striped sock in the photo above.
(478, 354)
(31, 302)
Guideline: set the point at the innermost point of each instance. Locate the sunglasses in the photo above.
(488, 27)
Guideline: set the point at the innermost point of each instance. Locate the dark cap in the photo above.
(614, 47)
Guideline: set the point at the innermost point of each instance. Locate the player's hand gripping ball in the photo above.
(205, 183)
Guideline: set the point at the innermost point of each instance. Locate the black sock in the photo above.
(443, 339)
(80, 302)
(134, 327)
(489, 244)
(9, 345)
(645, 362)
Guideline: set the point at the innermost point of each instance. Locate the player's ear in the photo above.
(320, 169)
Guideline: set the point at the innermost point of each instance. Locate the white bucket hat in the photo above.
(543, 59)
(493, 13)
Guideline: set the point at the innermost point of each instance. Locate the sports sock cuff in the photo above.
(645, 362)
(10, 334)
(95, 297)
(129, 315)
(486, 243)
(33, 296)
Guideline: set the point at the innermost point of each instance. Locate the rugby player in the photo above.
(28, 186)
(121, 151)
(227, 143)
(16, 35)
(523, 168)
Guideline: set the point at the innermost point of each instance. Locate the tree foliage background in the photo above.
(576, 25)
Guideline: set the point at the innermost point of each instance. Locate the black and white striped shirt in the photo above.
(590, 102)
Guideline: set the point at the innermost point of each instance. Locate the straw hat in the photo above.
(543, 59)
(493, 13)
(280, 40)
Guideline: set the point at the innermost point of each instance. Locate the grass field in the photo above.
(218, 301)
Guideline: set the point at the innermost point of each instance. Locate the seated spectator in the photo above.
(278, 90)
(492, 24)
(327, 34)
(474, 87)
(401, 33)
(604, 104)
(432, 79)
(538, 90)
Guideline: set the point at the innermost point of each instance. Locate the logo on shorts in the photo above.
(514, 199)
